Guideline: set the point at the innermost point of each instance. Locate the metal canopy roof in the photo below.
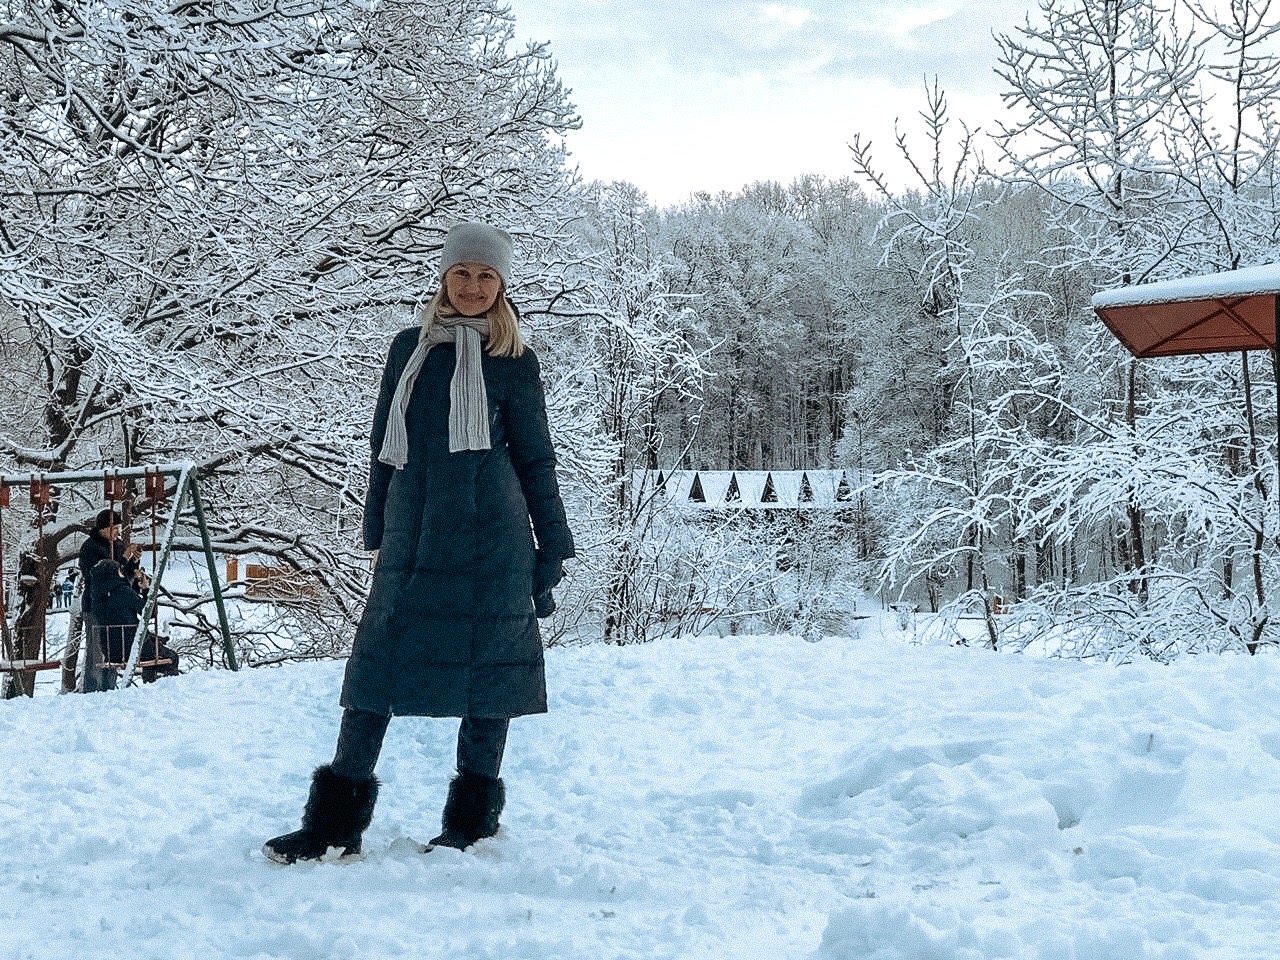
(1215, 313)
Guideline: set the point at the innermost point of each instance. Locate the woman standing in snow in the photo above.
(462, 462)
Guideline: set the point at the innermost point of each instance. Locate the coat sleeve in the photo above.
(375, 500)
(95, 589)
(90, 554)
(95, 583)
(129, 598)
(534, 458)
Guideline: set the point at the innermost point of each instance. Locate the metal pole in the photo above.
(1275, 372)
(80, 476)
(185, 480)
(227, 645)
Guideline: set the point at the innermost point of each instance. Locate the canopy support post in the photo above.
(1275, 372)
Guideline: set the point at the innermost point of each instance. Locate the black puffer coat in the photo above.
(449, 628)
(95, 549)
(116, 606)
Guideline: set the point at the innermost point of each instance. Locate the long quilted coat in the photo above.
(449, 629)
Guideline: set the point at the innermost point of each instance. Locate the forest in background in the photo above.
(204, 251)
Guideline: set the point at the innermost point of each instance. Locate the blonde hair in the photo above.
(504, 330)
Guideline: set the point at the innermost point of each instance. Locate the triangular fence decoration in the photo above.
(733, 494)
(844, 492)
(768, 495)
(806, 491)
(695, 492)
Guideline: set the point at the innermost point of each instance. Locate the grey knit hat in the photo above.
(477, 243)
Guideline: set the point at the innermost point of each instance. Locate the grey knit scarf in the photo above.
(468, 402)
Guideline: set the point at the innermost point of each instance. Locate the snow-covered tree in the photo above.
(958, 498)
(640, 357)
(1115, 122)
(213, 214)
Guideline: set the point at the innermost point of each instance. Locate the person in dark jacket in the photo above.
(158, 659)
(118, 602)
(103, 543)
(116, 607)
(462, 481)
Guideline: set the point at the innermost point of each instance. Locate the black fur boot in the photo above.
(337, 813)
(471, 812)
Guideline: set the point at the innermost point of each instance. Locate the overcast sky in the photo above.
(685, 95)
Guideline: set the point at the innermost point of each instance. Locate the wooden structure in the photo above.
(1224, 312)
(750, 489)
(1215, 313)
(275, 583)
(186, 490)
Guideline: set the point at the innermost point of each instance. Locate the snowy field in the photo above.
(726, 798)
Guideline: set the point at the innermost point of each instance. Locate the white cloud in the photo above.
(903, 20)
(792, 17)
(678, 96)
(714, 36)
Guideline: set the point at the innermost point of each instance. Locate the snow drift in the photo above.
(741, 797)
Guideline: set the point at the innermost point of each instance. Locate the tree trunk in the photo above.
(28, 643)
(1045, 555)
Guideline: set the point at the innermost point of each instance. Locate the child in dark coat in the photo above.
(116, 607)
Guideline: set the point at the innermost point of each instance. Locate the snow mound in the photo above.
(738, 797)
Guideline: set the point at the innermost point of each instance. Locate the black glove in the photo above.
(547, 573)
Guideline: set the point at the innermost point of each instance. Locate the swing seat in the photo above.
(119, 635)
(24, 666)
(140, 664)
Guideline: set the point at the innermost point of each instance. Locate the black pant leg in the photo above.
(481, 741)
(359, 743)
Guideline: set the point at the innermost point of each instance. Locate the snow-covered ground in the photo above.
(737, 797)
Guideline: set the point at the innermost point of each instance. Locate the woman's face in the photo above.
(472, 288)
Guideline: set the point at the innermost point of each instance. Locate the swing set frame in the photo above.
(185, 488)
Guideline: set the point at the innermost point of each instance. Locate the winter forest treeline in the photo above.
(214, 215)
